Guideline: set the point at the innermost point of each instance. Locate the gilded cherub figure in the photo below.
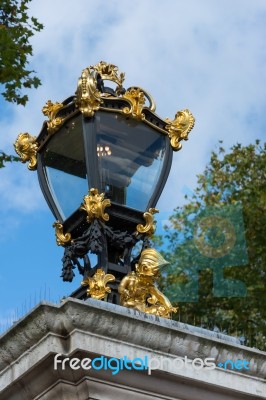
(138, 290)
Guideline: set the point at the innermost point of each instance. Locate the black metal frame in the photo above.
(43, 181)
(114, 237)
(91, 160)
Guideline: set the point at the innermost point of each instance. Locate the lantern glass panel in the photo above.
(65, 167)
(130, 156)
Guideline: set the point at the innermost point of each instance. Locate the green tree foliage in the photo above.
(217, 247)
(6, 158)
(16, 28)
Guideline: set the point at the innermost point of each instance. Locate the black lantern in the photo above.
(106, 147)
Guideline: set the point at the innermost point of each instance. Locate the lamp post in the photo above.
(103, 158)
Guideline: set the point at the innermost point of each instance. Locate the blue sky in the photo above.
(205, 55)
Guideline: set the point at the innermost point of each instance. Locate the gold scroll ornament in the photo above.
(50, 110)
(62, 238)
(179, 128)
(149, 227)
(26, 147)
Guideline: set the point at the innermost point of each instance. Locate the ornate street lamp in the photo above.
(107, 147)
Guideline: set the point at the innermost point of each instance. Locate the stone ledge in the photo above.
(95, 327)
(112, 320)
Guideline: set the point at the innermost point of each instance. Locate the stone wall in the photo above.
(92, 329)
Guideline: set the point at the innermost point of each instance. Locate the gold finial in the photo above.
(88, 96)
(179, 128)
(138, 290)
(26, 147)
(97, 284)
(95, 204)
(61, 238)
(150, 227)
(109, 72)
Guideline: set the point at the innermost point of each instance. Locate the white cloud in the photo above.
(205, 55)
(19, 190)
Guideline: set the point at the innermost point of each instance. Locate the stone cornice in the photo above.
(110, 321)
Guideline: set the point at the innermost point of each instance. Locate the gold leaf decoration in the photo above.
(26, 147)
(137, 99)
(50, 110)
(179, 128)
(97, 284)
(95, 204)
(61, 238)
